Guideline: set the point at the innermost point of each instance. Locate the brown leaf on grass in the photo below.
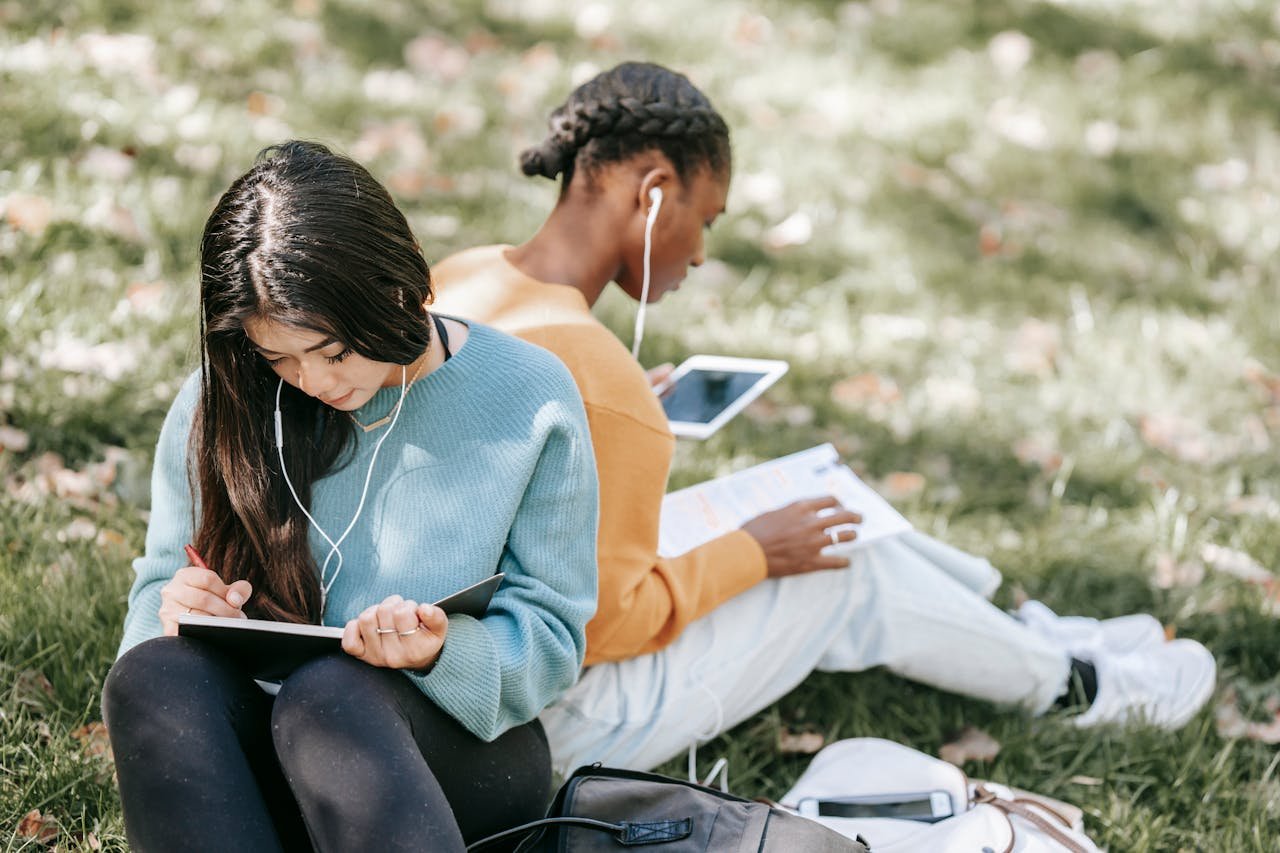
(1034, 351)
(147, 297)
(1038, 450)
(79, 529)
(1171, 573)
(12, 438)
(1263, 505)
(1258, 375)
(901, 485)
(30, 214)
(110, 540)
(1236, 563)
(433, 55)
(1176, 436)
(38, 826)
(91, 841)
(31, 687)
(971, 744)
(106, 164)
(94, 740)
(990, 240)
(857, 391)
(1231, 723)
(799, 743)
(264, 103)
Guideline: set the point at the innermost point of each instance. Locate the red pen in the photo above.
(194, 557)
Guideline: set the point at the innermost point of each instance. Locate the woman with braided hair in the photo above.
(682, 648)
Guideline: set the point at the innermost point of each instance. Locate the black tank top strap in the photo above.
(444, 335)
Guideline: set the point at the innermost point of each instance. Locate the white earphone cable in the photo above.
(655, 195)
(334, 547)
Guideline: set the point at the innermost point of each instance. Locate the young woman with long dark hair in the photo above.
(683, 648)
(344, 456)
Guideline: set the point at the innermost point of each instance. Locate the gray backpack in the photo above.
(604, 809)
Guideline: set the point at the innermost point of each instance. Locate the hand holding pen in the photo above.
(197, 589)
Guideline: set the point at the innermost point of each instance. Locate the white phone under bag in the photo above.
(899, 799)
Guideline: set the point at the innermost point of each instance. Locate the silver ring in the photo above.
(409, 633)
(835, 536)
(387, 631)
(188, 613)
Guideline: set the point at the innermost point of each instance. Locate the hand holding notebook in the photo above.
(271, 650)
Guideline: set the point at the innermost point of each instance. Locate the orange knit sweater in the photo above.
(645, 600)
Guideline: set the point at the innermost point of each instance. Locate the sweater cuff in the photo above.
(744, 561)
(465, 681)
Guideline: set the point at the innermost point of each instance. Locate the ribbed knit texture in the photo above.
(489, 468)
(646, 601)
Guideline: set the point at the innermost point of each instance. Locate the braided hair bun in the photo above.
(634, 107)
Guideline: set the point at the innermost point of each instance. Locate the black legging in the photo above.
(347, 757)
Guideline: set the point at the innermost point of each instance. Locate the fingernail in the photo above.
(235, 599)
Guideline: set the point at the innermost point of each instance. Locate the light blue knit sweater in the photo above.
(489, 468)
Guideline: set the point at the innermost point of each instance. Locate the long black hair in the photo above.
(634, 107)
(307, 239)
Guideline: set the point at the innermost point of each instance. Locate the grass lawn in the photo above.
(1020, 255)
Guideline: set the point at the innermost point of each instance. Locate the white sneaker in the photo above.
(1161, 685)
(1086, 638)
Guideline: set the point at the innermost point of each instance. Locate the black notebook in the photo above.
(271, 650)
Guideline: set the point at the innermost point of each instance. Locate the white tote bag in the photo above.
(983, 815)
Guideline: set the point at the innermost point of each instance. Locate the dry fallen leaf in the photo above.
(1085, 780)
(1176, 436)
(857, 391)
(12, 438)
(28, 213)
(970, 745)
(1238, 564)
(1034, 351)
(147, 297)
(901, 485)
(77, 530)
(1231, 723)
(1038, 450)
(32, 688)
(1171, 573)
(94, 739)
(40, 827)
(800, 743)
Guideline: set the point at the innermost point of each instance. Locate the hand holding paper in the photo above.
(700, 513)
(794, 537)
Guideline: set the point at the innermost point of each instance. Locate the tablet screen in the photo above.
(700, 395)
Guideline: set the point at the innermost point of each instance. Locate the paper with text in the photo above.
(700, 513)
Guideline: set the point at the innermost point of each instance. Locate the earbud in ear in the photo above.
(655, 195)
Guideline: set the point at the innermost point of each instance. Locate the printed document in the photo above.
(700, 513)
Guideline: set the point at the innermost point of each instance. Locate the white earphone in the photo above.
(655, 196)
(364, 492)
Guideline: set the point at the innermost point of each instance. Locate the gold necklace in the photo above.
(386, 419)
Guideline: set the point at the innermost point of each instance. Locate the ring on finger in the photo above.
(835, 536)
(387, 631)
(409, 633)
(188, 613)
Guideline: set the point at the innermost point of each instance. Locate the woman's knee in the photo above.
(331, 693)
(160, 670)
